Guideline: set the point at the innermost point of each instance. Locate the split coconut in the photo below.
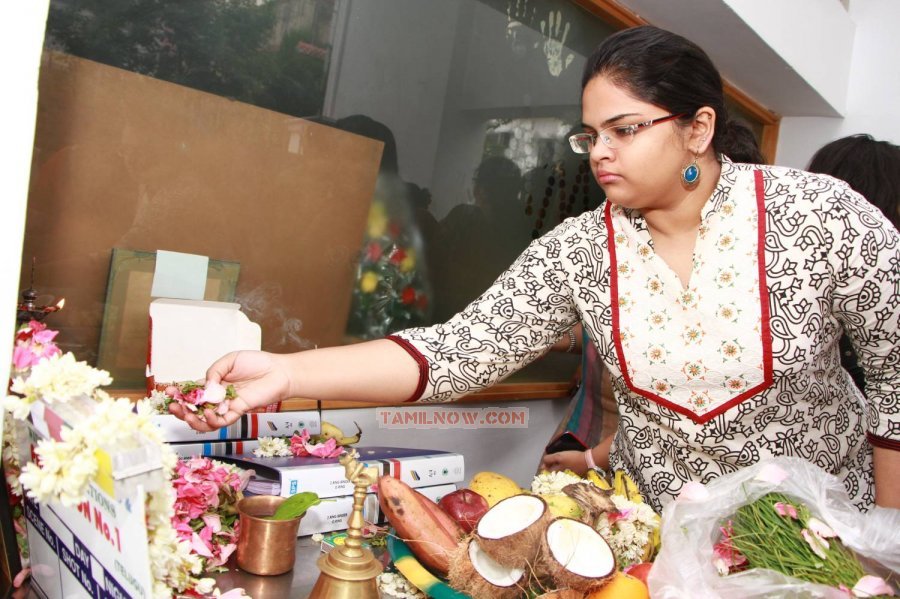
(475, 573)
(512, 530)
(562, 594)
(575, 556)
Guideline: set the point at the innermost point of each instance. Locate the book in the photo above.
(250, 426)
(333, 514)
(212, 449)
(326, 476)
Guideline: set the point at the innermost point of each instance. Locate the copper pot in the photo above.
(265, 547)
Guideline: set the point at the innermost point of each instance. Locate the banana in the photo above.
(330, 431)
(594, 477)
(624, 486)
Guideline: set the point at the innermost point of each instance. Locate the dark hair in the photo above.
(369, 127)
(870, 167)
(665, 69)
(498, 176)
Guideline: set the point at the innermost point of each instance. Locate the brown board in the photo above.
(127, 161)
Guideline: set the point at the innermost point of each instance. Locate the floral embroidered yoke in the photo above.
(740, 364)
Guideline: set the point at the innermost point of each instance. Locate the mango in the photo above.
(494, 487)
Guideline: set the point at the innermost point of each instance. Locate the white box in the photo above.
(187, 336)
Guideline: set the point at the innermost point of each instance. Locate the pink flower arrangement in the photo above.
(206, 515)
(726, 558)
(301, 446)
(198, 397)
(34, 342)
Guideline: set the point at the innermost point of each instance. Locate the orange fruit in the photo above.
(622, 586)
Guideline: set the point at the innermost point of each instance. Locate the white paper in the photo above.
(179, 276)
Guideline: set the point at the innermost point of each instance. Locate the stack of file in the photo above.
(239, 438)
(433, 473)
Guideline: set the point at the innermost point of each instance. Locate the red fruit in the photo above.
(465, 506)
(639, 571)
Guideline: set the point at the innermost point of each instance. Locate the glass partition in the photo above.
(353, 167)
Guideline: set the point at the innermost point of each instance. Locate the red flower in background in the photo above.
(408, 296)
(398, 256)
(373, 252)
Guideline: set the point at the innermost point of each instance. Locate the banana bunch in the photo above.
(624, 486)
(330, 431)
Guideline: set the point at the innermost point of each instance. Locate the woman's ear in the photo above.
(703, 128)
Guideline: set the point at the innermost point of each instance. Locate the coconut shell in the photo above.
(464, 577)
(562, 594)
(565, 578)
(520, 549)
(594, 502)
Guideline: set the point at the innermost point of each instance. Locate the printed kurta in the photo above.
(740, 364)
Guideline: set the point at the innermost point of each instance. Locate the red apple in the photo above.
(639, 571)
(465, 506)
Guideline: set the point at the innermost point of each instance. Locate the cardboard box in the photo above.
(187, 336)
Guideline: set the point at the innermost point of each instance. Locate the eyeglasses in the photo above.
(613, 137)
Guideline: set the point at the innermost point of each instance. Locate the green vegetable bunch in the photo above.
(775, 532)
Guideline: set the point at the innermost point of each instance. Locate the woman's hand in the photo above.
(565, 460)
(259, 378)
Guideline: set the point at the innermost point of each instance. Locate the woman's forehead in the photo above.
(603, 101)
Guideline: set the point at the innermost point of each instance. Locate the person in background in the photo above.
(715, 293)
(872, 169)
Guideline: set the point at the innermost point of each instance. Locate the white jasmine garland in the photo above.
(630, 531)
(273, 447)
(157, 402)
(552, 483)
(58, 379)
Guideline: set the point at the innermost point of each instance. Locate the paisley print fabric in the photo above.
(826, 262)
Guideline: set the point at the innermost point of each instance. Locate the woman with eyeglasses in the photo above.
(715, 293)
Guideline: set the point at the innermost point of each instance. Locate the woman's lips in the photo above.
(605, 177)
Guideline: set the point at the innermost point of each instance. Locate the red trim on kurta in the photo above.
(876, 441)
(420, 360)
(765, 329)
(254, 426)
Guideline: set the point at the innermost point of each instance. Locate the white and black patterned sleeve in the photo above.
(865, 259)
(527, 309)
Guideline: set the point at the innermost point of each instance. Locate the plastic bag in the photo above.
(690, 528)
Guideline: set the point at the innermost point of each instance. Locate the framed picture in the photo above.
(125, 330)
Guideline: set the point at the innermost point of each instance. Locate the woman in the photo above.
(715, 293)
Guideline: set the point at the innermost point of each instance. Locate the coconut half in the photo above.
(475, 573)
(562, 594)
(576, 556)
(511, 531)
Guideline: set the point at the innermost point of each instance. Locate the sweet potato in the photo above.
(430, 533)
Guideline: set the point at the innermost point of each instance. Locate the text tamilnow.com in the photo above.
(436, 417)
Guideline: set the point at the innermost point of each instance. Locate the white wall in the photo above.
(20, 53)
(515, 452)
(873, 96)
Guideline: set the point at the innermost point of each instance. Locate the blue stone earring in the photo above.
(691, 173)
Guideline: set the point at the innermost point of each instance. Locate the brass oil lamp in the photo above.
(349, 571)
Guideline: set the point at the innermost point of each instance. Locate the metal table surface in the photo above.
(296, 584)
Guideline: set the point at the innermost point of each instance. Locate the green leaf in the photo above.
(296, 505)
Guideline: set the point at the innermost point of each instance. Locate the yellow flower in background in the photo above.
(378, 220)
(368, 282)
(409, 261)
